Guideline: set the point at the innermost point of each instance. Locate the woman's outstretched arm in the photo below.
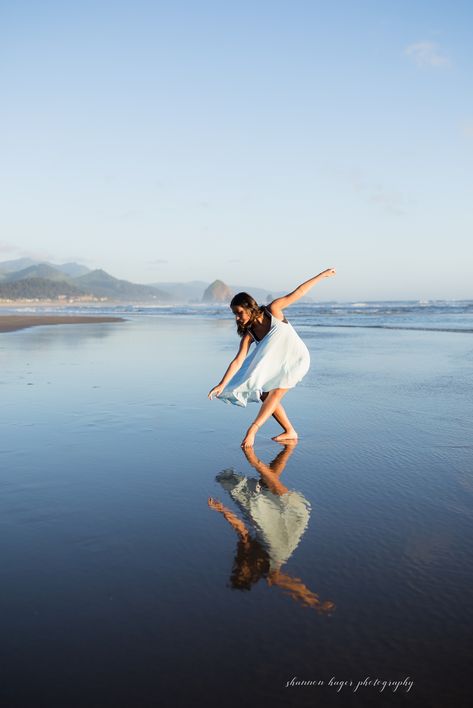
(233, 367)
(299, 591)
(282, 302)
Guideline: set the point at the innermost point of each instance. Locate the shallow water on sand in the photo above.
(118, 580)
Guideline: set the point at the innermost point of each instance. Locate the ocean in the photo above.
(441, 315)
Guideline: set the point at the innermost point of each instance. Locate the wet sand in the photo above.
(122, 588)
(11, 323)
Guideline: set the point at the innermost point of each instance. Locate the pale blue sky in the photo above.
(257, 142)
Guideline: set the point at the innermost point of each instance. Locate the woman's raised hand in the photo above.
(328, 273)
(216, 391)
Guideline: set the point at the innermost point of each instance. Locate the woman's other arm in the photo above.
(278, 305)
(234, 366)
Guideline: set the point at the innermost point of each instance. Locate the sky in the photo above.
(255, 142)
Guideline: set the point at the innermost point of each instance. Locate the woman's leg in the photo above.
(270, 404)
(281, 417)
(232, 519)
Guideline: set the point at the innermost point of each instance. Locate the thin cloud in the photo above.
(427, 54)
(390, 200)
(9, 248)
(158, 261)
(393, 202)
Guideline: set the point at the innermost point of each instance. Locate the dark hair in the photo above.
(251, 563)
(250, 304)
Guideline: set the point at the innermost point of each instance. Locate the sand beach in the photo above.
(11, 323)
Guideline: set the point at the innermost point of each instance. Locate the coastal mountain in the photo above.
(102, 284)
(42, 270)
(16, 264)
(39, 289)
(19, 264)
(25, 278)
(192, 292)
(43, 281)
(73, 270)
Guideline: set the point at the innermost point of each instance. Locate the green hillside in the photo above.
(101, 284)
(40, 270)
(30, 288)
(45, 281)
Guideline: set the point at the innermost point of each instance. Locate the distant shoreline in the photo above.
(12, 323)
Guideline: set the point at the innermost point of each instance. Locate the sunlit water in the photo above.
(121, 587)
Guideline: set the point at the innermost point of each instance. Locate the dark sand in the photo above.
(11, 323)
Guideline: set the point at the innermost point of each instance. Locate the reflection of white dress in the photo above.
(280, 360)
(279, 521)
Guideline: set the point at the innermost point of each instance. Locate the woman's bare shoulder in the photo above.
(275, 310)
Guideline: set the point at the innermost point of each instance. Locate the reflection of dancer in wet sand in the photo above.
(279, 517)
(280, 359)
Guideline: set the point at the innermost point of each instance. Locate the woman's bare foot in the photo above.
(249, 439)
(287, 436)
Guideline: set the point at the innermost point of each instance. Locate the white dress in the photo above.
(279, 521)
(279, 360)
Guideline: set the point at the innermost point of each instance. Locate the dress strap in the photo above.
(275, 318)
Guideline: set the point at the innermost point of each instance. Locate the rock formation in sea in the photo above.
(217, 291)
